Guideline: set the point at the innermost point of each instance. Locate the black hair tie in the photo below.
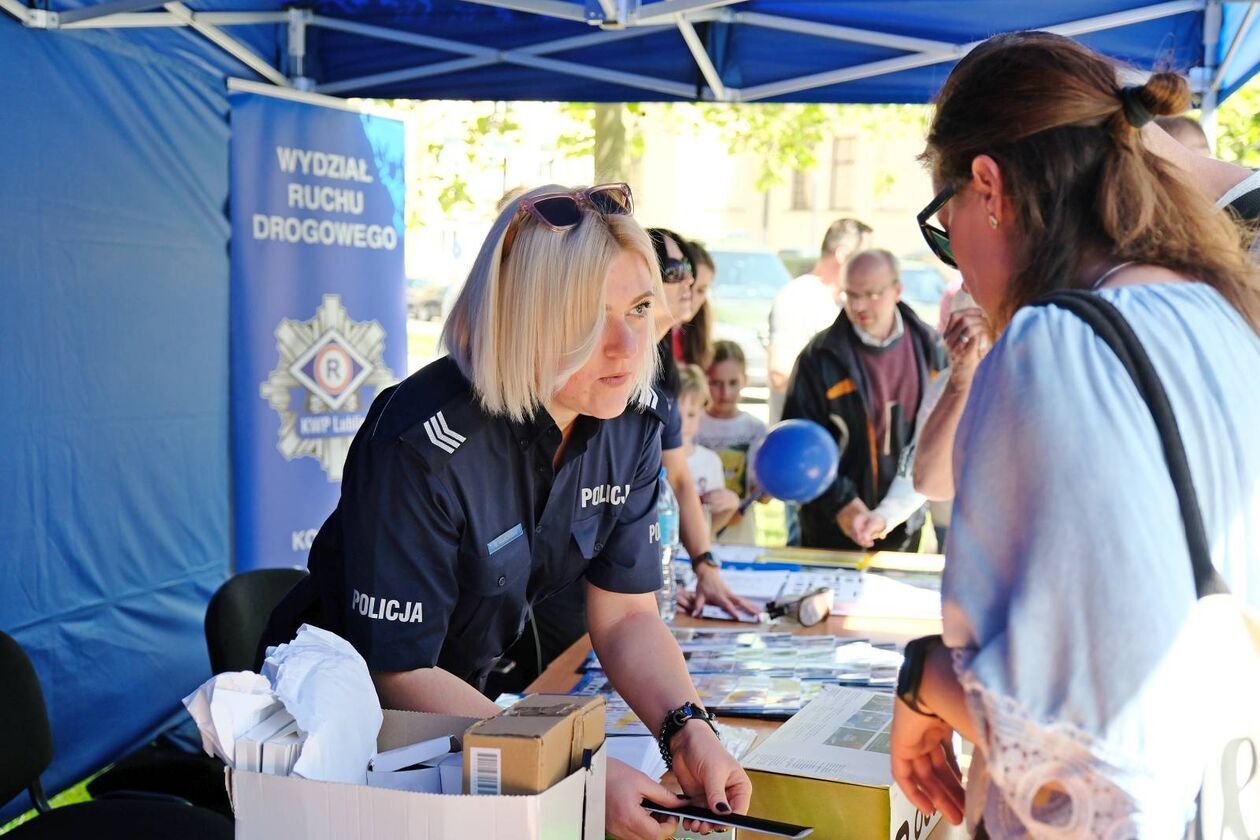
(1135, 111)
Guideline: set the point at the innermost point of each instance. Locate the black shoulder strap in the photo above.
(1106, 320)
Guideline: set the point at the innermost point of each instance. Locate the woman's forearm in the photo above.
(943, 695)
(933, 455)
(431, 690)
(639, 654)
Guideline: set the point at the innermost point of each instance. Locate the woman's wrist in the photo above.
(693, 733)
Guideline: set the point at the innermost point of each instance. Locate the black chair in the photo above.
(27, 749)
(238, 613)
(235, 619)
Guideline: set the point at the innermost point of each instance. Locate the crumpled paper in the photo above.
(325, 684)
(322, 681)
(227, 706)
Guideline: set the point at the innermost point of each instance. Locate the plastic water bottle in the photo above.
(667, 516)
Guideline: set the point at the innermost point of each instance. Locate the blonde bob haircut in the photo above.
(523, 325)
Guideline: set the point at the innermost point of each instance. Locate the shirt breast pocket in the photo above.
(502, 571)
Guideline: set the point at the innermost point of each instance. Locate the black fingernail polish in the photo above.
(723, 808)
(684, 796)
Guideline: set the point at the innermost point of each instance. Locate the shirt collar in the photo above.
(542, 428)
(899, 328)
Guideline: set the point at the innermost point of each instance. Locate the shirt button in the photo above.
(538, 528)
(599, 546)
(502, 579)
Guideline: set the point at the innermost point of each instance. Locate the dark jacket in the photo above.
(829, 386)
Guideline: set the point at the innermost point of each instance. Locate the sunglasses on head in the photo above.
(677, 271)
(936, 238)
(561, 211)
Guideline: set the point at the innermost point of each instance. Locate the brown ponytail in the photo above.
(1053, 115)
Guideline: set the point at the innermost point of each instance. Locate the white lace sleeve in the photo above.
(1050, 780)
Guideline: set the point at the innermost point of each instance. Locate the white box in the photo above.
(279, 807)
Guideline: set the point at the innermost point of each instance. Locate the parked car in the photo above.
(749, 275)
(923, 283)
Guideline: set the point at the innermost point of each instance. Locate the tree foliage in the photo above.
(1238, 126)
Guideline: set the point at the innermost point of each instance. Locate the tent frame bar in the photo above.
(701, 56)
(530, 56)
(639, 20)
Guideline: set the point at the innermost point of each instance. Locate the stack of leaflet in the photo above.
(272, 746)
(781, 655)
(762, 675)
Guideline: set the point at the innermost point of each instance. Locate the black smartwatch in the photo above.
(675, 721)
(705, 558)
(911, 674)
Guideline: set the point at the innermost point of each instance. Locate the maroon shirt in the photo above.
(892, 375)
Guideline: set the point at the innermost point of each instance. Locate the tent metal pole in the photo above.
(548, 8)
(701, 55)
(521, 55)
(1138, 15)
(298, 18)
(1244, 28)
(1212, 16)
(841, 33)
(406, 74)
(923, 59)
(569, 68)
(145, 20)
(17, 9)
(415, 39)
(664, 10)
(232, 46)
(111, 7)
(590, 39)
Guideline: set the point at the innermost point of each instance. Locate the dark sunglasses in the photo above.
(677, 271)
(561, 211)
(937, 239)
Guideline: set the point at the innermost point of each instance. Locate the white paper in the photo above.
(324, 683)
(841, 735)
(887, 598)
(228, 705)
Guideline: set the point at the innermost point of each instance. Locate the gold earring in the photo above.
(993, 221)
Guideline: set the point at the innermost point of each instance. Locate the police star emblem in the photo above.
(316, 388)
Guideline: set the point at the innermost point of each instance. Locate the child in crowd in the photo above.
(706, 467)
(733, 434)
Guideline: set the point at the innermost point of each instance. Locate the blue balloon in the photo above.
(797, 461)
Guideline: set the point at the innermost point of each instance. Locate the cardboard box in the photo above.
(828, 767)
(838, 810)
(535, 743)
(282, 807)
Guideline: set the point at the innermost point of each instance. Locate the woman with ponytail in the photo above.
(1067, 582)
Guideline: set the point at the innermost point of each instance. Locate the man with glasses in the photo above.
(862, 379)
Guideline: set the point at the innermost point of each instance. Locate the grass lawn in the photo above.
(78, 793)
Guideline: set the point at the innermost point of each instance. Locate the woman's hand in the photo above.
(968, 338)
(706, 772)
(711, 589)
(923, 762)
(625, 817)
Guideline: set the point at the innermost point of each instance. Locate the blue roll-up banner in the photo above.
(318, 308)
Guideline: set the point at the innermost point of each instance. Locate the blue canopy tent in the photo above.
(115, 514)
(621, 50)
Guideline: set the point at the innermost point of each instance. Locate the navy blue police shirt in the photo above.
(452, 521)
